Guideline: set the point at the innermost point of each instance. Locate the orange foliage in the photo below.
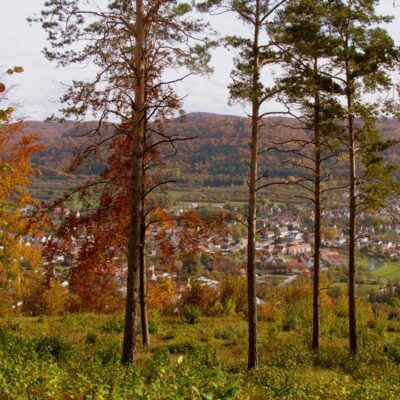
(94, 281)
(162, 297)
(203, 296)
(16, 171)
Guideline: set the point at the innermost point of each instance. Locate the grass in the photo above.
(88, 366)
(389, 270)
(362, 261)
(76, 356)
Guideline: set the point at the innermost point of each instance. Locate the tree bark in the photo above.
(143, 289)
(352, 210)
(251, 251)
(317, 229)
(134, 240)
(352, 231)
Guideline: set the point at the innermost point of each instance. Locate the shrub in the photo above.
(91, 339)
(169, 336)
(229, 307)
(52, 347)
(161, 296)
(292, 354)
(181, 348)
(392, 351)
(298, 314)
(202, 296)
(55, 298)
(228, 333)
(6, 304)
(154, 323)
(108, 353)
(113, 325)
(233, 291)
(192, 314)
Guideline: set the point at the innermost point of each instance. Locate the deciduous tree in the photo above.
(132, 43)
(16, 205)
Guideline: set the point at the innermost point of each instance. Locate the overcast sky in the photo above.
(38, 89)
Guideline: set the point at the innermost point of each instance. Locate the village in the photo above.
(284, 244)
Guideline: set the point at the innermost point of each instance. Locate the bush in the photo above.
(169, 336)
(154, 323)
(392, 351)
(234, 294)
(162, 296)
(113, 325)
(52, 347)
(229, 307)
(191, 314)
(91, 339)
(298, 314)
(292, 354)
(202, 296)
(108, 353)
(228, 333)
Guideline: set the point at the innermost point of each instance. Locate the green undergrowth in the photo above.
(77, 357)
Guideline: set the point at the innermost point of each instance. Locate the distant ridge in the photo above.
(217, 155)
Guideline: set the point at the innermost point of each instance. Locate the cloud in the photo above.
(40, 86)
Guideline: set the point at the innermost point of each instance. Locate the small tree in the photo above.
(17, 217)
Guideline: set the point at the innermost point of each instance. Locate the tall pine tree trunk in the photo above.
(251, 251)
(317, 228)
(352, 228)
(134, 240)
(143, 279)
(143, 288)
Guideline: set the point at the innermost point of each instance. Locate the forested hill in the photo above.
(215, 157)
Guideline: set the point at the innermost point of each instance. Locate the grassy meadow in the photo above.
(76, 356)
(389, 270)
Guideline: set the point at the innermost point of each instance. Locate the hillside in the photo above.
(216, 157)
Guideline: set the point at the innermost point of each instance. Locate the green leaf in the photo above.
(229, 394)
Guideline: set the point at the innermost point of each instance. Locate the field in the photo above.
(389, 271)
(76, 356)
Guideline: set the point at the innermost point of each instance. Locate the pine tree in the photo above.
(364, 53)
(254, 53)
(310, 95)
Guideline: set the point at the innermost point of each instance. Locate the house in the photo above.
(308, 260)
(280, 248)
(363, 241)
(296, 266)
(271, 234)
(285, 267)
(276, 266)
(332, 259)
(209, 282)
(283, 231)
(295, 236)
(295, 249)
